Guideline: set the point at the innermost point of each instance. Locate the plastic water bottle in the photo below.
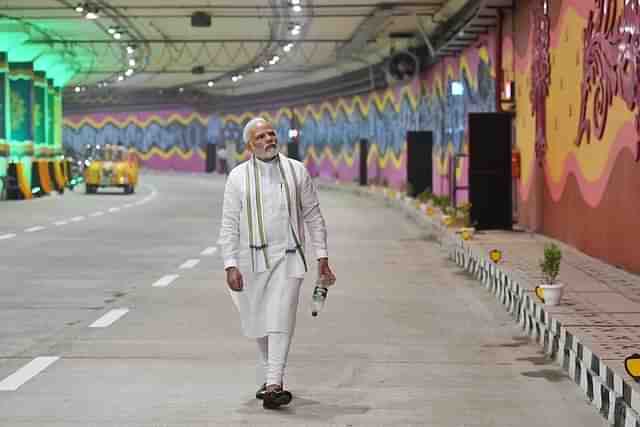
(318, 299)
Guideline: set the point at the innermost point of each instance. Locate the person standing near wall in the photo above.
(222, 158)
(274, 198)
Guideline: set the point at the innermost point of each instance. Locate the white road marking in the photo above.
(28, 371)
(34, 229)
(190, 263)
(7, 236)
(59, 223)
(128, 205)
(114, 209)
(209, 251)
(165, 281)
(109, 318)
(99, 213)
(77, 218)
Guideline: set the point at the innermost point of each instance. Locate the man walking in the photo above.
(269, 200)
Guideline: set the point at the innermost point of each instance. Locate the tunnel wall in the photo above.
(586, 194)
(164, 140)
(582, 188)
(330, 128)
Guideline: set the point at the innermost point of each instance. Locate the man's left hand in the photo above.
(324, 271)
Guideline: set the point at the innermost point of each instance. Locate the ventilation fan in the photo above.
(402, 66)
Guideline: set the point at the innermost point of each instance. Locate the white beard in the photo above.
(268, 154)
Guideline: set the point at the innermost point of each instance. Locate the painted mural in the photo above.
(168, 140)
(329, 130)
(589, 176)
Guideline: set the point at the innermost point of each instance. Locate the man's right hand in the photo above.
(234, 279)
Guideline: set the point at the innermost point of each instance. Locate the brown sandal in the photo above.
(275, 399)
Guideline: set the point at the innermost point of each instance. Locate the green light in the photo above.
(61, 74)
(47, 61)
(14, 33)
(26, 52)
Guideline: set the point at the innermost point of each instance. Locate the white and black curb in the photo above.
(611, 394)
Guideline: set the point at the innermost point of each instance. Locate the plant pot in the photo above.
(466, 232)
(550, 294)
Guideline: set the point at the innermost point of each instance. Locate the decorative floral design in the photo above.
(540, 74)
(611, 65)
(37, 116)
(18, 109)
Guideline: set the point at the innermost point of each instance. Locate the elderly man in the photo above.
(270, 198)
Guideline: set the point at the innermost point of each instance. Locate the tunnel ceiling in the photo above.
(170, 55)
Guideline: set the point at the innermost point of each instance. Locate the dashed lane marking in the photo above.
(209, 251)
(165, 281)
(34, 229)
(109, 318)
(7, 236)
(190, 263)
(28, 371)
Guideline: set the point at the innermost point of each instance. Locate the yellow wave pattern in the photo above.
(442, 165)
(363, 103)
(166, 155)
(184, 120)
(388, 158)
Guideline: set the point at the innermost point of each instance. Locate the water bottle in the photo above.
(318, 299)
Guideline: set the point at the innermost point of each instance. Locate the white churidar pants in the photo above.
(273, 351)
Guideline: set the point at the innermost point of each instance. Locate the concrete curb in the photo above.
(611, 394)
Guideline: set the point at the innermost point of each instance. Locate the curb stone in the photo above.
(610, 393)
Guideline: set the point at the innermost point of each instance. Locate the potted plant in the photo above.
(551, 290)
(447, 215)
(464, 214)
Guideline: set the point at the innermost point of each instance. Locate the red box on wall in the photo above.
(515, 164)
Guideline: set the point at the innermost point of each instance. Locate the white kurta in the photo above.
(269, 300)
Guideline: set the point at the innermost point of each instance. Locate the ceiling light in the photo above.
(129, 72)
(117, 35)
(92, 12)
(288, 47)
(132, 62)
(295, 2)
(258, 69)
(77, 89)
(210, 83)
(112, 30)
(131, 49)
(297, 8)
(79, 8)
(181, 90)
(120, 78)
(295, 31)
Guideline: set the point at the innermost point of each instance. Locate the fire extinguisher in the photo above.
(515, 164)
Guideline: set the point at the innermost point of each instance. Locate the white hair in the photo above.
(248, 128)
